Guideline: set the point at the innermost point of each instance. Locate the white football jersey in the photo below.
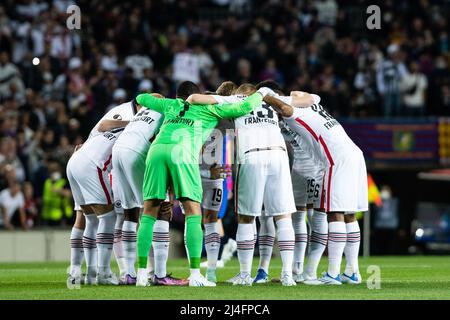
(258, 129)
(212, 152)
(319, 130)
(124, 111)
(98, 148)
(141, 129)
(294, 139)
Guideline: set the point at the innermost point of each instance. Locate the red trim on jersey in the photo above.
(330, 170)
(105, 166)
(322, 196)
(102, 182)
(327, 152)
(236, 190)
(305, 125)
(330, 173)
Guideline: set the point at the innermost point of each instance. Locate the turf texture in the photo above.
(418, 277)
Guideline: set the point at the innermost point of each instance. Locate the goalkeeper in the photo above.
(173, 159)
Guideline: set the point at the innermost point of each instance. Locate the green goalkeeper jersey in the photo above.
(190, 125)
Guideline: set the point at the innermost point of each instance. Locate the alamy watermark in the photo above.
(73, 21)
(374, 20)
(374, 280)
(73, 283)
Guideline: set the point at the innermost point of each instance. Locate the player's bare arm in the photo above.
(107, 125)
(198, 98)
(301, 99)
(283, 108)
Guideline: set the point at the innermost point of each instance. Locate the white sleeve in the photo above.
(316, 98)
(226, 99)
(297, 113)
(285, 99)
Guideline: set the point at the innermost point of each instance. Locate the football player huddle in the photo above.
(144, 154)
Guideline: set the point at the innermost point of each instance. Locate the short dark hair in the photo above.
(186, 88)
(271, 84)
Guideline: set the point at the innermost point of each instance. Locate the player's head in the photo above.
(186, 88)
(271, 84)
(157, 95)
(245, 89)
(227, 88)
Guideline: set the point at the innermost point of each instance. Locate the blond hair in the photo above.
(227, 88)
(245, 89)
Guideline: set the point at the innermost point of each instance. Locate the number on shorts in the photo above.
(217, 195)
(313, 187)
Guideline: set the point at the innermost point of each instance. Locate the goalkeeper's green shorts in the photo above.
(168, 164)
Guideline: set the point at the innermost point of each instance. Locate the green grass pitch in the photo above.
(401, 278)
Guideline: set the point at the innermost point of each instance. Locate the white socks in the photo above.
(105, 239)
(212, 243)
(265, 240)
(89, 244)
(245, 238)
(76, 251)
(351, 249)
(118, 244)
(160, 246)
(129, 245)
(317, 243)
(151, 261)
(301, 240)
(286, 243)
(337, 237)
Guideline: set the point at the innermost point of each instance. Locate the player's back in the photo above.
(330, 133)
(321, 132)
(98, 148)
(187, 125)
(142, 127)
(256, 130)
(301, 149)
(124, 111)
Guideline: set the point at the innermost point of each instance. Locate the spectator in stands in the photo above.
(57, 198)
(317, 46)
(413, 86)
(10, 79)
(12, 207)
(31, 207)
(390, 73)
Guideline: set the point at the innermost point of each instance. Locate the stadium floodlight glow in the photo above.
(36, 61)
(419, 233)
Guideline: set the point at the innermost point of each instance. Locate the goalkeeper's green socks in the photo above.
(144, 239)
(194, 240)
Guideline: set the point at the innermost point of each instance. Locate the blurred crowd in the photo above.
(55, 83)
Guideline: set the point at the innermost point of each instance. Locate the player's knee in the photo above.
(165, 213)
(245, 219)
(191, 207)
(80, 220)
(131, 214)
(283, 216)
(100, 209)
(349, 218)
(151, 207)
(210, 216)
(335, 216)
